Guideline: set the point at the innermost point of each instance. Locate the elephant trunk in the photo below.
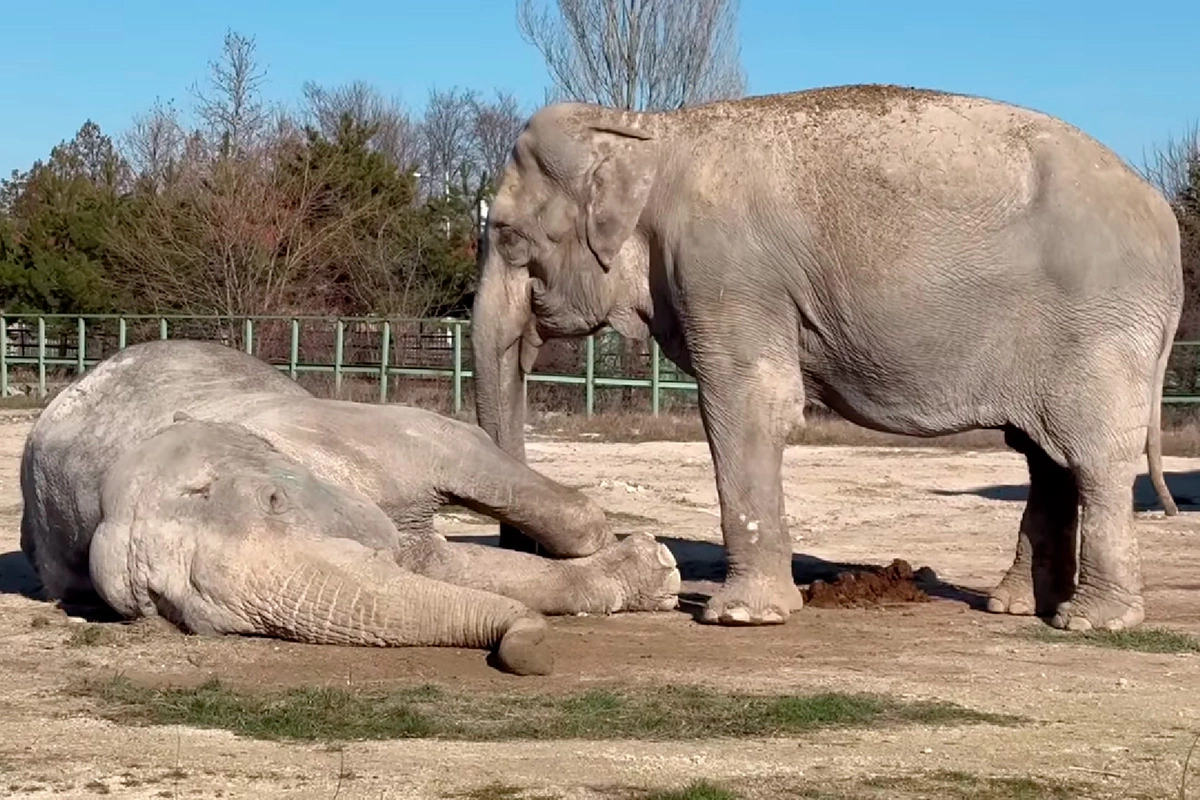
(369, 600)
(505, 345)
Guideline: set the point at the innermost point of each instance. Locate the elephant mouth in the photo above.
(555, 318)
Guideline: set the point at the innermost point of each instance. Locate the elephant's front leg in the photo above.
(564, 522)
(635, 574)
(747, 414)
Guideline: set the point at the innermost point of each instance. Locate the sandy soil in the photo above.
(1111, 723)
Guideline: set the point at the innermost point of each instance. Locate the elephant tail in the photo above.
(1154, 429)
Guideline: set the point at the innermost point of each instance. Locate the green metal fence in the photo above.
(377, 348)
(57, 344)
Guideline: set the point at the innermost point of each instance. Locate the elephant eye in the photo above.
(513, 246)
(273, 499)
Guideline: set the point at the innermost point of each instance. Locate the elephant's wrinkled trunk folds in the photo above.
(310, 598)
(505, 345)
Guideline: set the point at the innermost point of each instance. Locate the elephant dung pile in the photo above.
(895, 583)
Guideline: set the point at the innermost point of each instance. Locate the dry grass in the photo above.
(821, 428)
(1181, 435)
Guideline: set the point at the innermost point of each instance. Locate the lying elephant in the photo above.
(193, 482)
(921, 262)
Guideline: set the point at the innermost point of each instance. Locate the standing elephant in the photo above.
(922, 262)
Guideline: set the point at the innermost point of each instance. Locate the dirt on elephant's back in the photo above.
(895, 583)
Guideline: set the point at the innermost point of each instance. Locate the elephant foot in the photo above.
(747, 601)
(523, 650)
(1016, 595)
(637, 574)
(1096, 609)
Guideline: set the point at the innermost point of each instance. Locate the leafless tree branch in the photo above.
(232, 107)
(637, 54)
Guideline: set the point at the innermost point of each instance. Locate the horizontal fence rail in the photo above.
(383, 349)
(376, 348)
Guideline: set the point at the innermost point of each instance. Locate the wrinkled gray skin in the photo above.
(922, 263)
(192, 482)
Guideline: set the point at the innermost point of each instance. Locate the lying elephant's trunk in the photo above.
(307, 596)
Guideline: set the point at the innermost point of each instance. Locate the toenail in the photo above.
(738, 614)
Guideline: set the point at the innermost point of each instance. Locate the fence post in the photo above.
(4, 358)
(589, 382)
(383, 361)
(80, 346)
(162, 328)
(248, 335)
(654, 389)
(457, 333)
(41, 357)
(294, 352)
(339, 340)
(122, 335)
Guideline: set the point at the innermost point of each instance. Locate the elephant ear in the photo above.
(617, 189)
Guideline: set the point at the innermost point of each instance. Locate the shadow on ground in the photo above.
(702, 566)
(17, 576)
(1184, 487)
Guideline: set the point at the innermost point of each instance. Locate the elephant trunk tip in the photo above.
(523, 650)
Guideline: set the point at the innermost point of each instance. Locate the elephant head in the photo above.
(565, 253)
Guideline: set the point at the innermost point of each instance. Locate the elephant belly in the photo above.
(901, 379)
(920, 414)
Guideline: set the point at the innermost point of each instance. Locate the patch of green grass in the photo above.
(306, 714)
(1141, 639)
(501, 791)
(492, 791)
(947, 785)
(696, 790)
(956, 785)
(655, 713)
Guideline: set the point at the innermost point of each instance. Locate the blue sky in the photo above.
(1128, 78)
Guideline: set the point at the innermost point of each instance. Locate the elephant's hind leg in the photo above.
(1043, 572)
(1109, 592)
(1096, 424)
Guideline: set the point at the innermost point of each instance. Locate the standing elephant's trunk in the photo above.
(505, 345)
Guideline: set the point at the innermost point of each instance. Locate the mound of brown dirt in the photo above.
(895, 583)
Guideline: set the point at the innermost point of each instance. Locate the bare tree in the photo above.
(446, 131)
(1174, 168)
(154, 145)
(494, 129)
(395, 134)
(642, 55)
(232, 108)
(1170, 166)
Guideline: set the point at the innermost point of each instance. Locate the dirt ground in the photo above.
(1109, 723)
